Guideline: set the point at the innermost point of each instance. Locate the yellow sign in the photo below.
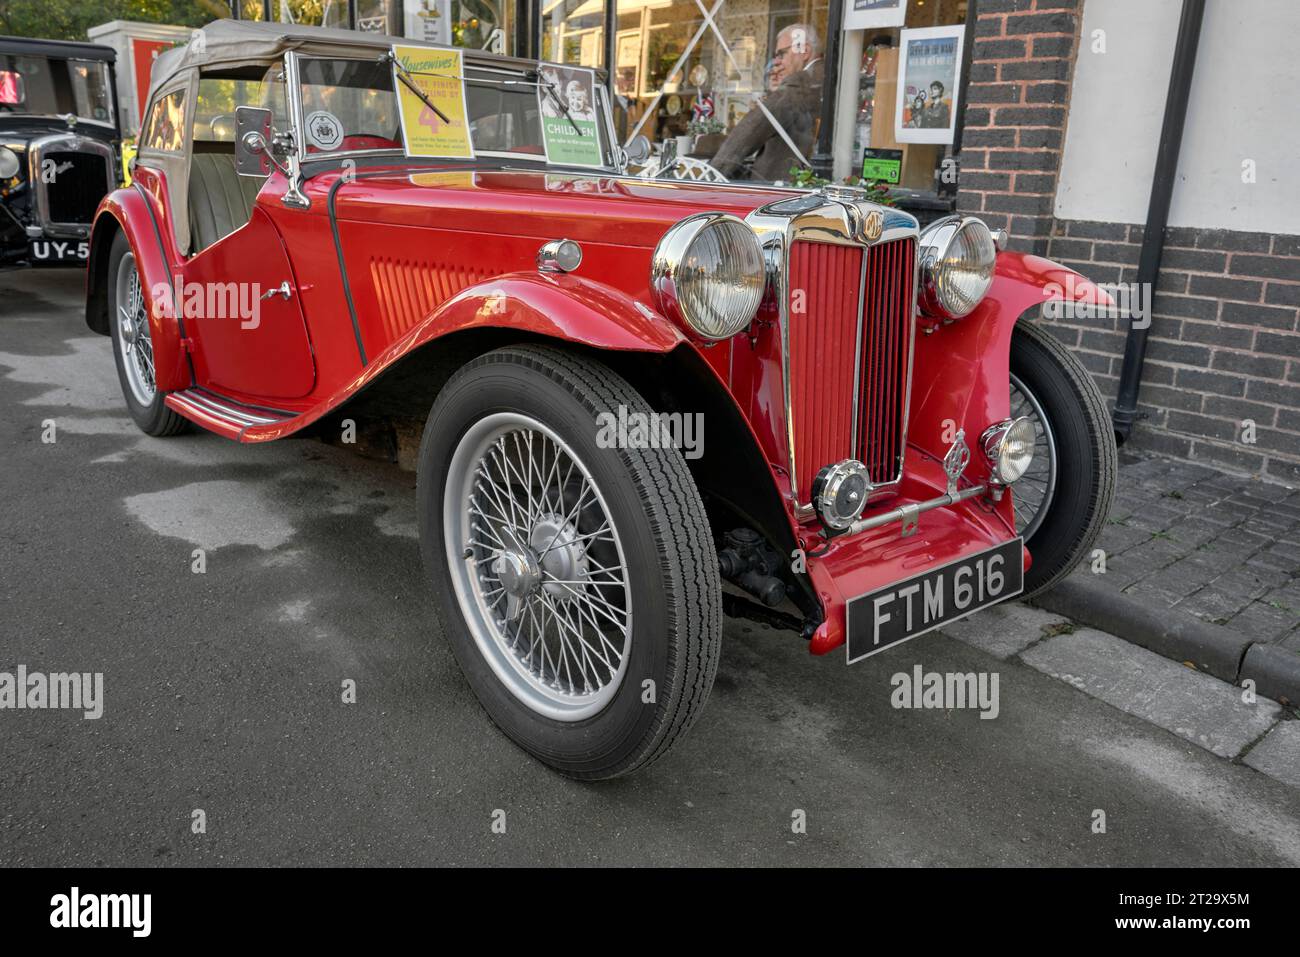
(439, 76)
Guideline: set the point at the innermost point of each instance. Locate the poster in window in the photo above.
(929, 67)
(627, 76)
(438, 74)
(566, 98)
(427, 20)
(867, 14)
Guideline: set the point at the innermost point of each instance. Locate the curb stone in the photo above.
(1219, 651)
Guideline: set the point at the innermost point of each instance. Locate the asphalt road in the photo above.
(222, 690)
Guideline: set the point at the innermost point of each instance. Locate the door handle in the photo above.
(282, 290)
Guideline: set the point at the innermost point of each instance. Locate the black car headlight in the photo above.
(708, 273)
(957, 257)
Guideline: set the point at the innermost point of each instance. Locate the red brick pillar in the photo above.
(1016, 105)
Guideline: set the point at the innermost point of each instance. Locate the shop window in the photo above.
(876, 102)
(688, 73)
(474, 24)
(311, 13)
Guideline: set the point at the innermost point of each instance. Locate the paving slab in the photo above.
(1196, 707)
(1005, 630)
(1278, 755)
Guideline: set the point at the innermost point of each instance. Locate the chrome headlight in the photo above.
(957, 259)
(708, 272)
(1009, 447)
(839, 493)
(9, 164)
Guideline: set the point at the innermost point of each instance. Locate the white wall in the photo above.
(1245, 104)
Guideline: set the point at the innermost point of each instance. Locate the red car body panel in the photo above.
(431, 253)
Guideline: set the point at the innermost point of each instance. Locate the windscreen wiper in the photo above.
(558, 102)
(404, 75)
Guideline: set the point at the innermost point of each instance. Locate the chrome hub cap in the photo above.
(520, 576)
(563, 557)
(537, 566)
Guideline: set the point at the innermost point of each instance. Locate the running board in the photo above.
(223, 416)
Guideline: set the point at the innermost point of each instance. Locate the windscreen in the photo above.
(45, 86)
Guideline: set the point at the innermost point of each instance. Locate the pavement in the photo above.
(1200, 565)
(224, 690)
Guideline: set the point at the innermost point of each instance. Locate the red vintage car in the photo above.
(889, 445)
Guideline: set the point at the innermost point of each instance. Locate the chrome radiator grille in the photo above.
(850, 327)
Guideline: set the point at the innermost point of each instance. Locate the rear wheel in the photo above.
(576, 582)
(1063, 501)
(133, 344)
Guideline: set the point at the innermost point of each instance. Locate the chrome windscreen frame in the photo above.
(843, 217)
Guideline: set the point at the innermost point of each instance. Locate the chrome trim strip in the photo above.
(916, 508)
(857, 359)
(220, 409)
(911, 357)
(293, 196)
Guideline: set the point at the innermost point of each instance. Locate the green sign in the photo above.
(566, 98)
(884, 165)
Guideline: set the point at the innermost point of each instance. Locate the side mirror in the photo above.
(638, 150)
(253, 141)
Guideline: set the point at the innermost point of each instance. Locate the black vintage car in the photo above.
(59, 136)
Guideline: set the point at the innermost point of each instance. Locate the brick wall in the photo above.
(1224, 346)
(1223, 349)
(1016, 105)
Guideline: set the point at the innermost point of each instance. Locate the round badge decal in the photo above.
(324, 131)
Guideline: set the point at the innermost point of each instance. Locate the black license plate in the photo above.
(59, 251)
(897, 612)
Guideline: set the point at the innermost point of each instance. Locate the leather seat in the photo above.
(220, 200)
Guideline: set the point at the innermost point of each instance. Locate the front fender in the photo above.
(960, 370)
(127, 211)
(561, 308)
(556, 306)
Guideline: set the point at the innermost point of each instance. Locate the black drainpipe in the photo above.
(823, 158)
(1162, 188)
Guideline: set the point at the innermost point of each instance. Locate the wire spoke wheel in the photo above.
(538, 566)
(1033, 493)
(132, 318)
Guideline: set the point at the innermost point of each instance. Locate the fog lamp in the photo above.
(839, 493)
(1009, 447)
